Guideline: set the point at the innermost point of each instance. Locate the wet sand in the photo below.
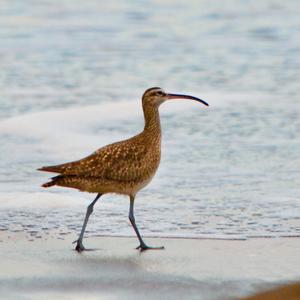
(286, 292)
(187, 268)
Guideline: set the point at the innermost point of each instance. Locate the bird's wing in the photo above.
(71, 168)
(122, 161)
(125, 162)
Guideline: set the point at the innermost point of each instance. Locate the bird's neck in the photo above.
(152, 119)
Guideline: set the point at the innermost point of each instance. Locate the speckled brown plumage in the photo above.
(124, 167)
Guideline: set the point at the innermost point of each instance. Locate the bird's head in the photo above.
(156, 96)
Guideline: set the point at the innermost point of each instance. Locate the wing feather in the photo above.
(122, 161)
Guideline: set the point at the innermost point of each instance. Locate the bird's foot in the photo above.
(144, 247)
(79, 246)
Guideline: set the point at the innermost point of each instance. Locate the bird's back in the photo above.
(123, 167)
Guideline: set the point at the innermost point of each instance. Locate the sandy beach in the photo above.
(225, 201)
(187, 268)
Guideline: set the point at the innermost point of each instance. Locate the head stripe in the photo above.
(151, 89)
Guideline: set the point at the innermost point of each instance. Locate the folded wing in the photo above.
(122, 161)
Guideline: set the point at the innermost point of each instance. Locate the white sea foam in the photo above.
(230, 169)
(212, 182)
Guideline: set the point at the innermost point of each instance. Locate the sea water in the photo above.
(72, 76)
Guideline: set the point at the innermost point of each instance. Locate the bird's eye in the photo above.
(160, 93)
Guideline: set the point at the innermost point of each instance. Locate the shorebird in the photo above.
(124, 167)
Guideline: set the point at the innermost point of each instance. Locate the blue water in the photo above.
(71, 79)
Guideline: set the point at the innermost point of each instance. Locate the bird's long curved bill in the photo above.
(179, 96)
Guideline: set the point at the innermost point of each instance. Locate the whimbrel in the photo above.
(124, 167)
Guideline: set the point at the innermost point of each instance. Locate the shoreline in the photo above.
(190, 268)
(6, 234)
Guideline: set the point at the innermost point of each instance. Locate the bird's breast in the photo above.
(148, 164)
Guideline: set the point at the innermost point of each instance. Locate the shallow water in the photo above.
(71, 79)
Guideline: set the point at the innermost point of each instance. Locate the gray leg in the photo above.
(142, 245)
(79, 246)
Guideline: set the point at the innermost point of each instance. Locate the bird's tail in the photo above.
(48, 184)
(52, 182)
